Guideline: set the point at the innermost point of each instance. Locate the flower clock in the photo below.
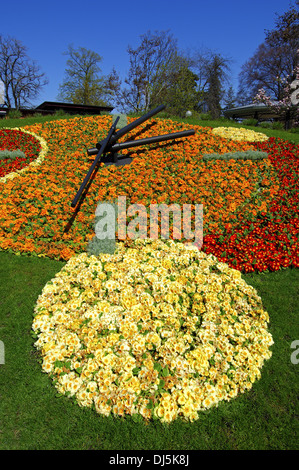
(248, 189)
(158, 328)
(32, 150)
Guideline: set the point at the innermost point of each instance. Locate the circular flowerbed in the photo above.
(159, 329)
(240, 134)
(31, 145)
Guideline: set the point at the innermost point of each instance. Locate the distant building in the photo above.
(51, 107)
(255, 111)
(260, 112)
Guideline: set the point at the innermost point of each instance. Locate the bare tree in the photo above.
(274, 60)
(20, 75)
(147, 62)
(82, 83)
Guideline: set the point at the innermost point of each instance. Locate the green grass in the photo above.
(32, 417)
(282, 134)
(27, 121)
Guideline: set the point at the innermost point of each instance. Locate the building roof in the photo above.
(250, 110)
(74, 108)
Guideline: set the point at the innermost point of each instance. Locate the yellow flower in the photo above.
(170, 340)
(240, 134)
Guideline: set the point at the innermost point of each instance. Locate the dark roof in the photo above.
(250, 110)
(74, 108)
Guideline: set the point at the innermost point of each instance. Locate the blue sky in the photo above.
(233, 28)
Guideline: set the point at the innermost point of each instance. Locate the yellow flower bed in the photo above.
(158, 328)
(240, 134)
(33, 164)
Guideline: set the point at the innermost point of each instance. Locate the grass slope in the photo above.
(291, 136)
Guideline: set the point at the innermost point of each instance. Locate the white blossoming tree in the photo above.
(287, 107)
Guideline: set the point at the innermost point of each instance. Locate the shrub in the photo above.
(195, 115)
(266, 125)
(250, 122)
(205, 116)
(248, 155)
(14, 114)
(11, 154)
(60, 113)
(278, 126)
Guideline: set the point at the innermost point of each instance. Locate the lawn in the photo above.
(251, 223)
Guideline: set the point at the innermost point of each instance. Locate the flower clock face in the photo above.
(32, 150)
(158, 328)
(250, 206)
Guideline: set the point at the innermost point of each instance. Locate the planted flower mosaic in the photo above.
(240, 133)
(250, 205)
(159, 329)
(19, 149)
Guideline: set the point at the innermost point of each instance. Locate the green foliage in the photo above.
(248, 155)
(270, 125)
(205, 116)
(60, 113)
(11, 154)
(82, 83)
(250, 122)
(14, 113)
(278, 125)
(181, 94)
(266, 125)
(34, 119)
(215, 70)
